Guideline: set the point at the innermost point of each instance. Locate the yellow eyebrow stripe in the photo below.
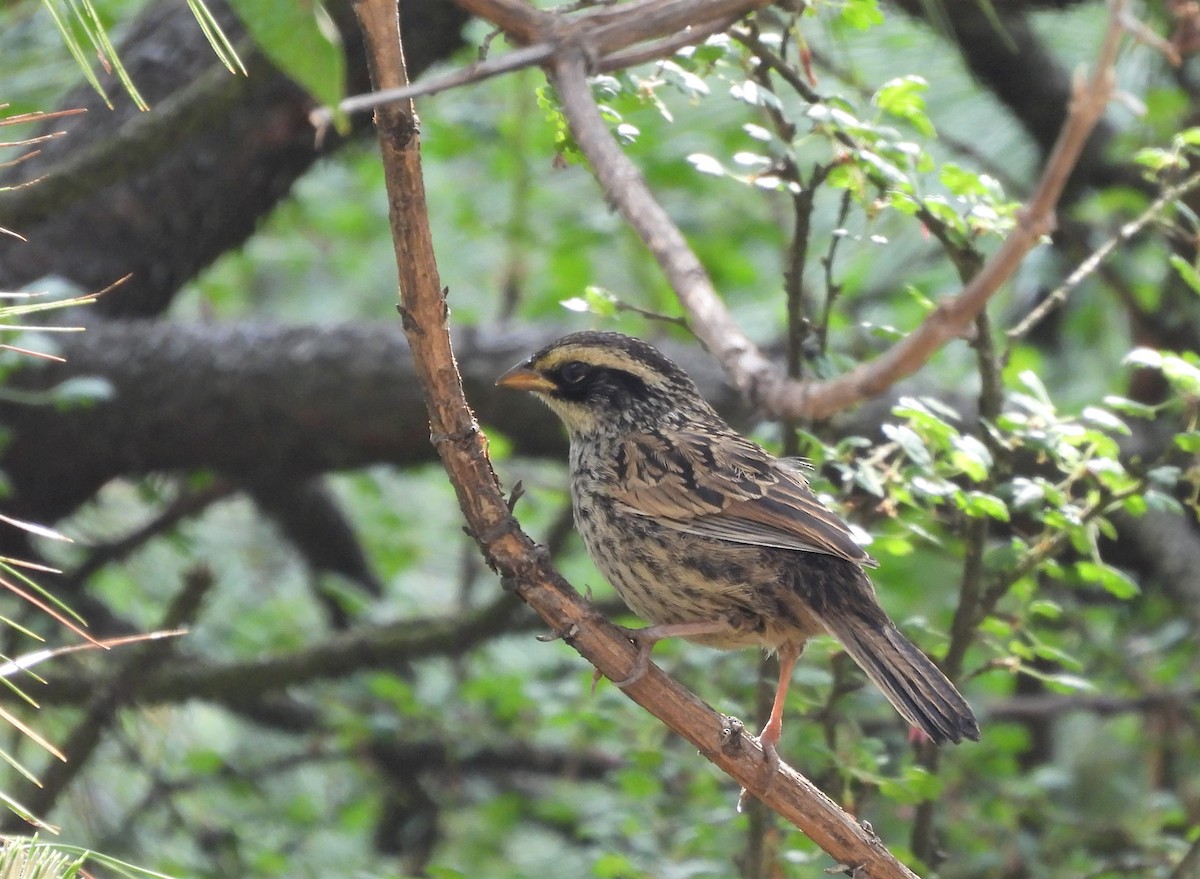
(602, 357)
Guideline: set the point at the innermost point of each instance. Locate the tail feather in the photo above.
(911, 682)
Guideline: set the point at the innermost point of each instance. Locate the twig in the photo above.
(188, 503)
(832, 289)
(1189, 865)
(669, 45)
(952, 317)
(772, 61)
(365, 647)
(105, 701)
(1059, 295)
(478, 72)
(977, 534)
(625, 27)
(1054, 705)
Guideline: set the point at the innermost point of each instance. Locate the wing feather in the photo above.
(728, 488)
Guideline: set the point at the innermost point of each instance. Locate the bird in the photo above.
(709, 537)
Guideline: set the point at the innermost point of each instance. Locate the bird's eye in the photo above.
(573, 372)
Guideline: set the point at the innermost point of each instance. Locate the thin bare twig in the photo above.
(1059, 295)
(615, 34)
(106, 700)
(627, 189)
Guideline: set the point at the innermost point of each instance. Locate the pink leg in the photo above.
(646, 638)
(769, 737)
(774, 727)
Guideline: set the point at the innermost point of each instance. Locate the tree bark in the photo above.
(160, 195)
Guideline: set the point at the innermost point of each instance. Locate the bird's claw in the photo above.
(770, 766)
(641, 665)
(559, 634)
(770, 758)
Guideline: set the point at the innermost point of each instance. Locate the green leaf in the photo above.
(861, 14)
(908, 440)
(706, 164)
(612, 865)
(299, 38)
(1188, 137)
(960, 181)
(1132, 408)
(754, 94)
(932, 486)
(1187, 271)
(1105, 419)
(1113, 581)
(1189, 442)
(1030, 381)
(595, 300)
(971, 457)
(1147, 357)
(1048, 609)
(82, 390)
(977, 504)
(1158, 159)
(902, 97)
(1183, 375)
(1027, 493)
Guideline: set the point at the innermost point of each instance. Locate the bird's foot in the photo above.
(766, 774)
(644, 640)
(770, 758)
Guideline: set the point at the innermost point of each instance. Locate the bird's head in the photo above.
(598, 381)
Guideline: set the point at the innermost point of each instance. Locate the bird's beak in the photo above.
(522, 378)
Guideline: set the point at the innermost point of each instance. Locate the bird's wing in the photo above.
(728, 488)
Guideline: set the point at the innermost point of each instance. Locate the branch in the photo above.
(1024, 708)
(161, 194)
(1085, 269)
(239, 682)
(463, 449)
(952, 318)
(105, 700)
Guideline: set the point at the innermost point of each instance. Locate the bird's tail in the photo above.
(911, 682)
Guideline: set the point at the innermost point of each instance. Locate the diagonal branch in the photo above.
(523, 565)
(628, 191)
(952, 318)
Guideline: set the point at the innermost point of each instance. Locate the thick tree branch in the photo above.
(365, 648)
(162, 194)
(187, 397)
(463, 450)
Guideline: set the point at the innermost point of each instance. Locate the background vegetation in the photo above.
(237, 443)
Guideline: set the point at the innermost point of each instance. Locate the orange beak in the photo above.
(522, 378)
